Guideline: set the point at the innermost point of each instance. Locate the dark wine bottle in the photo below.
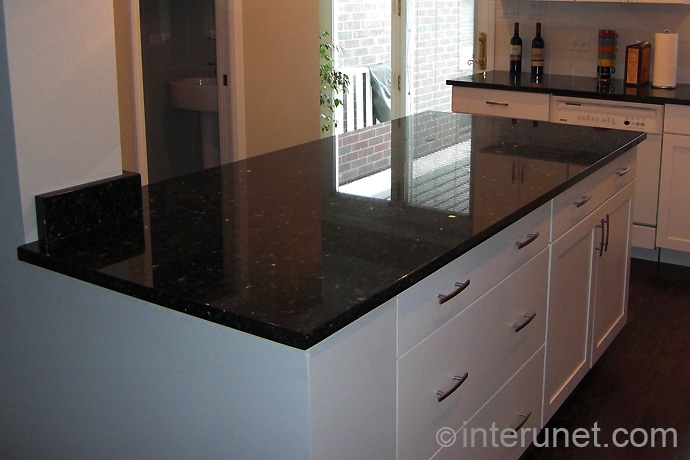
(516, 51)
(538, 53)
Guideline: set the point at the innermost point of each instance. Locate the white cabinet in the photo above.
(516, 406)
(511, 104)
(587, 293)
(445, 379)
(674, 189)
(469, 277)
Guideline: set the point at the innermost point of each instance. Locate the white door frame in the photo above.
(230, 69)
(138, 91)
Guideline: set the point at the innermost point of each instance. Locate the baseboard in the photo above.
(668, 256)
(645, 254)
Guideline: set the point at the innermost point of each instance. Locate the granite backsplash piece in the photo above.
(87, 207)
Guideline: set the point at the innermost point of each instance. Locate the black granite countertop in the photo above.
(274, 247)
(565, 85)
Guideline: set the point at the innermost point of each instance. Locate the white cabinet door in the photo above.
(587, 295)
(567, 343)
(611, 263)
(673, 230)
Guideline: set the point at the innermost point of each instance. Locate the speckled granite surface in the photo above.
(270, 247)
(565, 85)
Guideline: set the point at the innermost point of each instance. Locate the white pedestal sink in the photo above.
(201, 95)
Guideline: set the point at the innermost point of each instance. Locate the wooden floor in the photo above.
(642, 380)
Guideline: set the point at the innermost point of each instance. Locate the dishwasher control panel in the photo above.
(628, 116)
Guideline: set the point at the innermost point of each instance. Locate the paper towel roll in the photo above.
(665, 60)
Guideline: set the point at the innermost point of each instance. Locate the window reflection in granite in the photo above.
(432, 170)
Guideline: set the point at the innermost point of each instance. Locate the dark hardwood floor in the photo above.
(642, 381)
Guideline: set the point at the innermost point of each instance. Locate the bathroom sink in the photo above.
(194, 93)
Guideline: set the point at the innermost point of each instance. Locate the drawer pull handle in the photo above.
(443, 298)
(623, 171)
(459, 380)
(530, 238)
(520, 422)
(582, 201)
(528, 319)
(502, 104)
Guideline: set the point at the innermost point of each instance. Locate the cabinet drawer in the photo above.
(676, 119)
(594, 190)
(419, 310)
(517, 402)
(482, 341)
(512, 104)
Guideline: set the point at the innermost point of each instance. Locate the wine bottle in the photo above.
(538, 53)
(516, 51)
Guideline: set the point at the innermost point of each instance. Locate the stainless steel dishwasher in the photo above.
(633, 117)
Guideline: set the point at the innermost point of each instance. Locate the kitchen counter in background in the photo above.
(269, 245)
(564, 85)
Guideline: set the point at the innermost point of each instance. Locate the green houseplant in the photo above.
(333, 82)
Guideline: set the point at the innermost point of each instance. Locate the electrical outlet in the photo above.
(579, 44)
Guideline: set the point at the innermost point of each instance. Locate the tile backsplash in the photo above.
(563, 21)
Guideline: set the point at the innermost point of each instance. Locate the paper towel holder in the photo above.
(665, 81)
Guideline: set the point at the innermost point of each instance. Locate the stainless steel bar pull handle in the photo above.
(623, 171)
(606, 222)
(459, 380)
(528, 319)
(502, 104)
(520, 422)
(443, 298)
(582, 201)
(530, 238)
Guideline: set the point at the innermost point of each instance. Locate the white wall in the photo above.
(86, 372)
(564, 20)
(61, 56)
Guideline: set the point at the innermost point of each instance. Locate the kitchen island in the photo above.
(321, 303)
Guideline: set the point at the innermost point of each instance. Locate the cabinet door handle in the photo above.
(530, 238)
(443, 298)
(502, 104)
(520, 422)
(608, 230)
(582, 201)
(528, 319)
(459, 380)
(623, 171)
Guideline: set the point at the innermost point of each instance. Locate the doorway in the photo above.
(177, 40)
(145, 115)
